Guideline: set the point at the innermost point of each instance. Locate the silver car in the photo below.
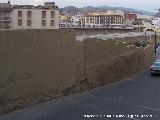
(155, 68)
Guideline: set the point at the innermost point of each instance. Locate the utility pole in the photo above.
(155, 46)
(84, 60)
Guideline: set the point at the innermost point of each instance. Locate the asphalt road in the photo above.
(115, 35)
(136, 98)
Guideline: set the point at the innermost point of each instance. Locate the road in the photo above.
(115, 35)
(138, 96)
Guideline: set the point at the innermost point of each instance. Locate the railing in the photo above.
(5, 18)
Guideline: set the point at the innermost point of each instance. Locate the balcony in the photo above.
(5, 19)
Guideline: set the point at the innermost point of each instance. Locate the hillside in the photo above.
(72, 9)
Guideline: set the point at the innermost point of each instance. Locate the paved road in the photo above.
(115, 35)
(138, 96)
(109, 36)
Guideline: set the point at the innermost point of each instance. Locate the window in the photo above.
(29, 14)
(52, 22)
(91, 19)
(43, 22)
(52, 14)
(43, 14)
(29, 22)
(19, 22)
(19, 13)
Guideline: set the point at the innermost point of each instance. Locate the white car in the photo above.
(155, 68)
(157, 60)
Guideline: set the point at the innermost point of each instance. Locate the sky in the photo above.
(148, 5)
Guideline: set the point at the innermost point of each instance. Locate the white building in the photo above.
(156, 22)
(35, 17)
(76, 21)
(111, 12)
(107, 21)
(120, 12)
(139, 16)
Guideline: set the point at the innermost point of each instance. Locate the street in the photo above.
(136, 98)
(115, 35)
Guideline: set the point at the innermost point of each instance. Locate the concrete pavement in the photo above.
(137, 98)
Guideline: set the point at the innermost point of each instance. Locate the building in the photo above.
(156, 22)
(5, 15)
(103, 21)
(130, 16)
(77, 21)
(107, 12)
(65, 21)
(35, 17)
(120, 12)
(98, 18)
(158, 13)
(139, 16)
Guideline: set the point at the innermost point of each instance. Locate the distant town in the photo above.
(49, 16)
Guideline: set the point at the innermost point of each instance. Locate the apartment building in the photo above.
(156, 22)
(77, 21)
(65, 21)
(130, 16)
(103, 21)
(35, 17)
(5, 15)
(107, 12)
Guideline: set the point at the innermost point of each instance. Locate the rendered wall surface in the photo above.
(115, 62)
(36, 19)
(36, 64)
(40, 65)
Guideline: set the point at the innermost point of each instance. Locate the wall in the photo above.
(40, 65)
(115, 62)
(107, 62)
(36, 65)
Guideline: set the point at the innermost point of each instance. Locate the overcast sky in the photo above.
(149, 5)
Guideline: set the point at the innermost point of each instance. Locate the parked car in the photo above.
(155, 68)
(158, 60)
